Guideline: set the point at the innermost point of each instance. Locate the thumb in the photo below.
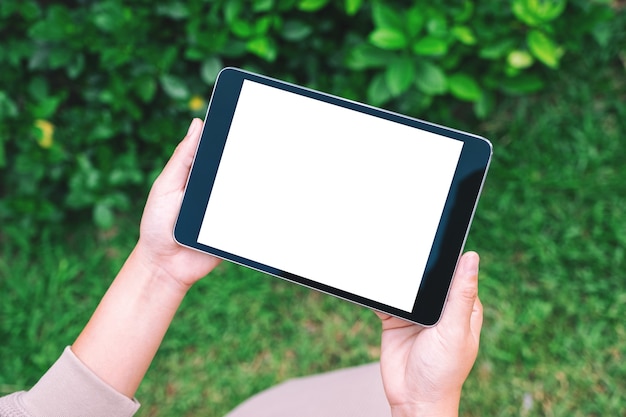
(464, 291)
(176, 170)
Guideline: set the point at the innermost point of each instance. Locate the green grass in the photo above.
(47, 293)
(551, 230)
(238, 331)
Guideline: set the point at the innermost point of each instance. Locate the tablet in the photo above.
(357, 202)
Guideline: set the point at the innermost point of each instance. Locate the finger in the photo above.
(390, 322)
(188, 145)
(382, 316)
(177, 168)
(464, 291)
(476, 320)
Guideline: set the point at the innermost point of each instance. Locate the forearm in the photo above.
(125, 331)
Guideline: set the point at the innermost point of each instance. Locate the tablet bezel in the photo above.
(451, 233)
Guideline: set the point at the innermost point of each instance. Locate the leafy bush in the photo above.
(95, 94)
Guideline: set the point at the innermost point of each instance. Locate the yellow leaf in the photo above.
(519, 59)
(46, 138)
(195, 103)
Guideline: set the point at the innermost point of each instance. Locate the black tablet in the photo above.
(351, 200)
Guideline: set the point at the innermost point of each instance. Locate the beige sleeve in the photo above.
(68, 389)
(349, 392)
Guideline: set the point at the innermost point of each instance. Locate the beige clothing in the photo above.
(349, 392)
(68, 389)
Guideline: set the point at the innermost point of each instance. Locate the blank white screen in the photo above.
(330, 194)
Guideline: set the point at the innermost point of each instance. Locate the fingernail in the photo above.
(471, 263)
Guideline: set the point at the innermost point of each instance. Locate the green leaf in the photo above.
(464, 87)
(231, 11)
(14, 53)
(166, 58)
(176, 10)
(497, 50)
(353, 6)
(39, 58)
(378, 92)
(145, 87)
(262, 25)
(59, 57)
(399, 75)
(430, 45)
(127, 171)
(75, 68)
(536, 12)
(484, 105)
(365, 56)
(103, 215)
(263, 47)
(521, 11)
(296, 30)
(174, 87)
(311, 5)
(544, 48)
(8, 108)
(522, 84)
(547, 10)
(430, 79)
(233, 48)
(195, 53)
(415, 20)
(386, 38)
(46, 107)
(437, 25)
(106, 19)
(102, 131)
(263, 5)
(242, 28)
(510, 71)
(52, 27)
(386, 17)
(463, 13)
(602, 33)
(38, 87)
(210, 68)
(464, 34)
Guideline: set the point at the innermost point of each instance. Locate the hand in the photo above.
(423, 369)
(156, 244)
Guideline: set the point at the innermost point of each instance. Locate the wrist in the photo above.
(447, 407)
(153, 267)
(158, 287)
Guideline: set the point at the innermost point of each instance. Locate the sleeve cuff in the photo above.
(71, 389)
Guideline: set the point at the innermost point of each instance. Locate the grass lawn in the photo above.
(551, 230)
(552, 233)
